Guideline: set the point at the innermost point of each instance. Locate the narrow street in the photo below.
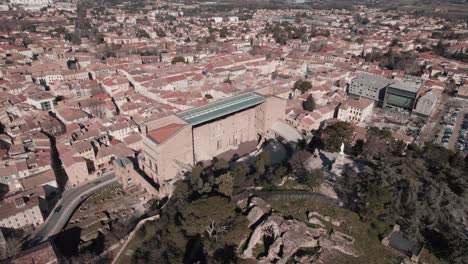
(65, 207)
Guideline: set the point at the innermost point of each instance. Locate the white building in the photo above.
(217, 19)
(20, 212)
(42, 100)
(32, 4)
(49, 77)
(355, 111)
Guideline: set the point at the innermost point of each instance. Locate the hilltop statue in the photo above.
(342, 149)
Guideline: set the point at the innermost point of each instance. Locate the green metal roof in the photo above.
(221, 108)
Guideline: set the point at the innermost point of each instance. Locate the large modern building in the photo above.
(426, 103)
(369, 86)
(235, 125)
(403, 94)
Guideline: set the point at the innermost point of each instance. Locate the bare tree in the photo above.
(214, 230)
(299, 159)
(11, 247)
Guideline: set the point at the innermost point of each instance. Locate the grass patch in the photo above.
(292, 184)
(258, 250)
(428, 258)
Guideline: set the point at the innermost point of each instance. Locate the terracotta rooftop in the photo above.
(70, 114)
(161, 134)
(39, 179)
(9, 208)
(43, 253)
(360, 103)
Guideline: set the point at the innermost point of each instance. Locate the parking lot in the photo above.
(453, 129)
(461, 141)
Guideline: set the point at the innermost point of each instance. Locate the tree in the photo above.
(178, 59)
(297, 84)
(220, 164)
(225, 184)
(196, 174)
(395, 42)
(311, 179)
(223, 32)
(160, 32)
(377, 143)
(305, 86)
(299, 159)
(302, 86)
(198, 215)
(281, 171)
(365, 21)
(11, 247)
(336, 134)
(309, 103)
(141, 33)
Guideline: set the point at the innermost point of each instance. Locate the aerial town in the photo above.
(233, 131)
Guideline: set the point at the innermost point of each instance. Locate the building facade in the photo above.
(235, 125)
(42, 100)
(402, 94)
(369, 86)
(426, 104)
(355, 110)
(20, 212)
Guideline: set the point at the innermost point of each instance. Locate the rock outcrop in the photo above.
(275, 239)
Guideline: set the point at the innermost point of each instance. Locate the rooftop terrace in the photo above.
(221, 108)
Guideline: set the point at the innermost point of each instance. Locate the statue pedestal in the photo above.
(338, 165)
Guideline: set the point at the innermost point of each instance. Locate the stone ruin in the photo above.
(283, 239)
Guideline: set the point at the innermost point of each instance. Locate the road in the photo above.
(68, 203)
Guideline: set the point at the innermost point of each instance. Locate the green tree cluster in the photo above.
(302, 86)
(178, 59)
(424, 190)
(309, 104)
(141, 33)
(336, 134)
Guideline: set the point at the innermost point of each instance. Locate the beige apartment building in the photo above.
(19, 212)
(235, 125)
(356, 110)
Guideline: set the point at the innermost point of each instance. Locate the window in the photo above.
(46, 105)
(218, 144)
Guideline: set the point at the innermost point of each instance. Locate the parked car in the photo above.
(57, 209)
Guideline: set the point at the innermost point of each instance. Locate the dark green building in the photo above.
(403, 94)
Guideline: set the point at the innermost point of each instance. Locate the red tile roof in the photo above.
(163, 133)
